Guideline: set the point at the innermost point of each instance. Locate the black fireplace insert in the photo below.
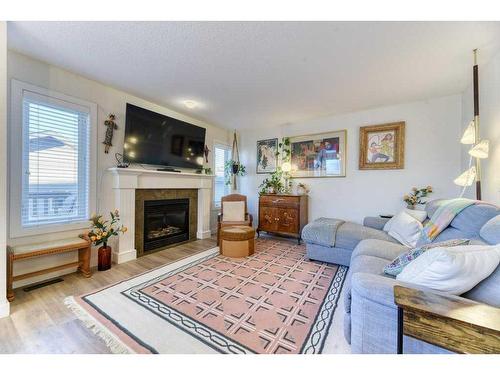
(166, 222)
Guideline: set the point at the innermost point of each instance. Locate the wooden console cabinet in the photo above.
(282, 214)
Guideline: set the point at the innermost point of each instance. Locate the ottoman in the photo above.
(237, 241)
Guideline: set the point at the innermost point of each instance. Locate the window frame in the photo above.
(18, 90)
(223, 145)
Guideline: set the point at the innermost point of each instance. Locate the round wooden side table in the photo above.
(237, 241)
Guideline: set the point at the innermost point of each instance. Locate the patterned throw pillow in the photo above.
(396, 266)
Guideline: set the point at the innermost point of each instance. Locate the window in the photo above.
(53, 165)
(221, 155)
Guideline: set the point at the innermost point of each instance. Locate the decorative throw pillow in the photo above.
(401, 261)
(406, 229)
(233, 211)
(420, 215)
(416, 214)
(453, 270)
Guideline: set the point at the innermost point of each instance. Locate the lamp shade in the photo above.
(469, 136)
(466, 178)
(480, 150)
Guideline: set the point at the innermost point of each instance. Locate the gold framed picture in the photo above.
(318, 155)
(382, 146)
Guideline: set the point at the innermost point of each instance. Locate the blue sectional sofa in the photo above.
(370, 323)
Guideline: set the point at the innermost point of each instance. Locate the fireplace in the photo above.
(166, 222)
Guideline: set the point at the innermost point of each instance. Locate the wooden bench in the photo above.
(17, 253)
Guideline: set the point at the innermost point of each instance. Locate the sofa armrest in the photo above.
(376, 288)
(375, 222)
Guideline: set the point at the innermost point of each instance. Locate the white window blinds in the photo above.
(55, 141)
(221, 155)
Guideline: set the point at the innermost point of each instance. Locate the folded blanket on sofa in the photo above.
(443, 216)
(322, 231)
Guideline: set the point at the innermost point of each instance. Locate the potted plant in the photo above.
(101, 231)
(204, 170)
(279, 182)
(233, 168)
(302, 188)
(273, 184)
(415, 197)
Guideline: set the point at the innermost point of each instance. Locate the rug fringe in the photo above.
(112, 342)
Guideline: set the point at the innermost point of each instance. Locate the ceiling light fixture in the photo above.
(190, 104)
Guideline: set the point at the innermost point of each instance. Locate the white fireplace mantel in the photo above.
(127, 180)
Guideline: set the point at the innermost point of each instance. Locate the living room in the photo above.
(258, 187)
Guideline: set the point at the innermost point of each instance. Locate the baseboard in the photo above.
(124, 256)
(203, 234)
(4, 309)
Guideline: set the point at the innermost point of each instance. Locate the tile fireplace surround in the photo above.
(125, 183)
(152, 195)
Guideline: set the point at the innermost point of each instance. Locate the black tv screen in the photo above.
(153, 138)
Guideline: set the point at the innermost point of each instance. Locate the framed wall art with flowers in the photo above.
(382, 146)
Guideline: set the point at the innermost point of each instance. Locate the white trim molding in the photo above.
(4, 309)
(127, 180)
(18, 90)
(4, 304)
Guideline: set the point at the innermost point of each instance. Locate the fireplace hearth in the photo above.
(166, 222)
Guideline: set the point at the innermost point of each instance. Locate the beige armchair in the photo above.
(233, 212)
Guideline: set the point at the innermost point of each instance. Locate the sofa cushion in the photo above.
(379, 249)
(490, 231)
(350, 234)
(375, 222)
(487, 291)
(471, 219)
(451, 234)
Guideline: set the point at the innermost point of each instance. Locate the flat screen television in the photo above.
(153, 138)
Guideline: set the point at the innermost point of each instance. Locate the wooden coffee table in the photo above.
(237, 241)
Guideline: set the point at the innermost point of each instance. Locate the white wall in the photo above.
(432, 157)
(108, 100)
(489, 113)
(4, 305)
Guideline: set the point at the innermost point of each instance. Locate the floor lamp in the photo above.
(479, 148)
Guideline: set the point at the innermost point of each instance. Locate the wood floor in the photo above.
(41, 323)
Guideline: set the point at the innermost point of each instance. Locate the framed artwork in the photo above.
(266, 155)
(318, 155)
(382, 146)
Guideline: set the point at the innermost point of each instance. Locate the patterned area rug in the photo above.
(275, 301)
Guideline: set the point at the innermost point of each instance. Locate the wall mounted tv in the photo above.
(152, 138)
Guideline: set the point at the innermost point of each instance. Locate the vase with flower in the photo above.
(101, 231)
(415, 197)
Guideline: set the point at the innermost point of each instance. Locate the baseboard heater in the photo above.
(31, 287)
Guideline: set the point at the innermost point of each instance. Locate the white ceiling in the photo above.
(255, 74)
